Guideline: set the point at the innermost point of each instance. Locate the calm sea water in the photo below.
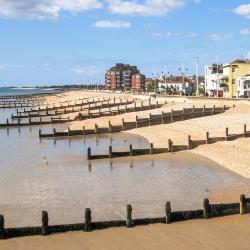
(69, 183)
(12, 91)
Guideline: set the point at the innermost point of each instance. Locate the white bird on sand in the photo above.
(45, 159)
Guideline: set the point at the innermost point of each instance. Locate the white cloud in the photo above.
(44, 9)
(104, 24)
(215, 37)
(86, 70)
(243, 10)
(147, 8)
(245, 32)
(174, 34)
(3, 66)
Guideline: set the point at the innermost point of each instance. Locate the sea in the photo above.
(26, 91)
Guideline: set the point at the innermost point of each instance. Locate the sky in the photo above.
(46, 42)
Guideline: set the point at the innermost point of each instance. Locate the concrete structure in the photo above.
(120, 78)
(231, 72)
(243, 86)
(213, 76)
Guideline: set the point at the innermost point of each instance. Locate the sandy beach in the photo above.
(229, 233)
(233, 155)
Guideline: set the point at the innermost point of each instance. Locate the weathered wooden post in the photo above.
(96, 128)
(45, 223)
(89, 153)
(151, 149)
(110, 152)
(224, 108)
(2, 230)
(123, 124)
(226, 135)
(54, 131)
(242, 204)
(206, 208)
(68, 131)
(149, 119)
(172, 116)
(213, 109)
(136, 121)
(88, 219)
(129, 220)
(131, 150)
(168, 212)
(162, 117)
(29, 120)
(156, 105)
(40, 133)
(170, 146)
(207, 137)
(245, 131)
(141, 105)
(7, 122)
(190, 144)
(110, 127)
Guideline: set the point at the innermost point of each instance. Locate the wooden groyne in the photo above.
(31, 122)
(87, 225)
(73, 106)
(191, 144)
(156, 119)
(68, 110)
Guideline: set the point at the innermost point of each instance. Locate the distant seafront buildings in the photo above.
(228, 80)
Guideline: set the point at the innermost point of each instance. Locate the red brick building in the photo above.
(138, 82)
(124, 77)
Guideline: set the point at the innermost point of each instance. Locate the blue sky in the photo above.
(75, 41)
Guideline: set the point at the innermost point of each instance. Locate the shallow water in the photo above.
(69, 183)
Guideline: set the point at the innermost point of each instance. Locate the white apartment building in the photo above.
(243, 86)
(213, 76)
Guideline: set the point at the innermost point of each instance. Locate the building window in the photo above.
(233, 69)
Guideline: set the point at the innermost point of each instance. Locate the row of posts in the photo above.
(129, 218)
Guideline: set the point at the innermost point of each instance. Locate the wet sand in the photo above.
(229, 233)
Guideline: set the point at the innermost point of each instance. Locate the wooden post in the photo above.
(129, 220)
(242, 204)
(141, 105)
(131, 150)
(151, 149)
(226, 135)
(162, 117)
(88, 219)
(54, 131)
(245, 130)
(123, 124)
(156, 105)
(110, 127)
(45, 223)
(136, 121)
(110, 152)
(168, 212)
(40, 133)
(190, 146)
(89, 153)
(205, 208)
(68, 131)
(172, 116)
(170, 146)
(7, 122)
(83, 130)
(2, 230)
(149, 119)
(207, 137)
(96, 128)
